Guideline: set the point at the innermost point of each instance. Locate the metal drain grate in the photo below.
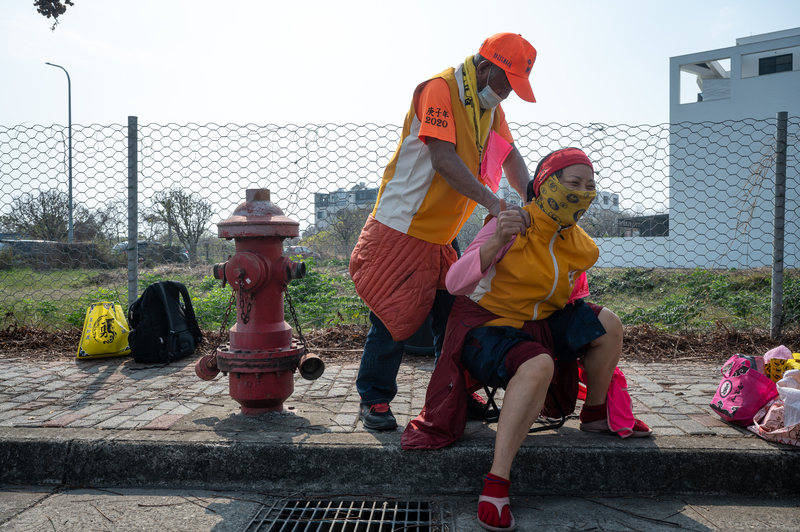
(344, 516)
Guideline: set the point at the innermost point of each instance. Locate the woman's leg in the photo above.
(601, 358)
(522, 402)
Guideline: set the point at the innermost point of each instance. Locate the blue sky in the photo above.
(269, 62)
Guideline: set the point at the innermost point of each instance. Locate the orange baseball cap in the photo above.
(515, 56)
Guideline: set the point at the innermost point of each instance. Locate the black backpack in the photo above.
(162, 328)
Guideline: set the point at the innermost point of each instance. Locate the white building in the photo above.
(328, 204)
(754, 79)
(723, 106)
(607, 201)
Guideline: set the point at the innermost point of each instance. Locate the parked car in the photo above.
(155, 250)
(27, 247)
(301, 251)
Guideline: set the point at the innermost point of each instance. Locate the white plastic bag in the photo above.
(789, 393)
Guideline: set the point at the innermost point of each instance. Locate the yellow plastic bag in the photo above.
(105, 332)
(776, 367)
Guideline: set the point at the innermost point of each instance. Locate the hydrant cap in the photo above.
(258, 216)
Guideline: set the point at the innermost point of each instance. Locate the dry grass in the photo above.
(343, 344)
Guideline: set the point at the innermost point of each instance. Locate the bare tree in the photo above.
(151, 226)
(92, 226)
(348, 225)
(44, 215)
(600, 222)
(116, 213)
(186, 213)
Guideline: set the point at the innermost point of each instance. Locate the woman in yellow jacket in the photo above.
(525, 280)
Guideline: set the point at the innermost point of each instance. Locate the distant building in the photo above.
(607, 201)
(652, 225)
(328, 204)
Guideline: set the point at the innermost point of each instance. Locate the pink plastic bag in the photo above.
(619, 406)
(743, 390)
(769, 424)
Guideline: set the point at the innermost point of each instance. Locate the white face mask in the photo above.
(488, 98)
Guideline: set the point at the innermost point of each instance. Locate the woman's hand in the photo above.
(510, 222)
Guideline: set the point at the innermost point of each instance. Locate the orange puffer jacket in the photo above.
(397, 276)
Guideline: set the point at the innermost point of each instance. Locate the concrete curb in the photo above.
(546, 465)
(112, 422)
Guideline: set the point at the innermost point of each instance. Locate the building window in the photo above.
(365, 196)
(772, 65)
(322, 215)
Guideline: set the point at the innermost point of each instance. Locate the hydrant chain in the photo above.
(294, 317)
(223, 328)
(246, 300)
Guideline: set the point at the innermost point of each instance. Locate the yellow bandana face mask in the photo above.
(562, 204)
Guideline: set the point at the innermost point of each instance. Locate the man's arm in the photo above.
(517, 172)
(449, 165)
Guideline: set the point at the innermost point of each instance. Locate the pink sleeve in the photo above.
(580, 290)
(466, 273)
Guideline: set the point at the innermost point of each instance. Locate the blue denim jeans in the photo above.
(380, 362)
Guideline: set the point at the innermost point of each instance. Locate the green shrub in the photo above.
(791, 302)
(322, 299)
(671, 312)
(210, 307)
(627, 280)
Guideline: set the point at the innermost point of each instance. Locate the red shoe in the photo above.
(498, 503)
(640, 429)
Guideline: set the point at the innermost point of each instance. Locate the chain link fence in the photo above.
(689, 217)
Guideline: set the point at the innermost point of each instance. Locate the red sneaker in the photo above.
(378, 417)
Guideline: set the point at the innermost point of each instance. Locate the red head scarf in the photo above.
(554, 162)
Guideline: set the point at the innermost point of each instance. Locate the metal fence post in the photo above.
(778, 229)
(133, 209)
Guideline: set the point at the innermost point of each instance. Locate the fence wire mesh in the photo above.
(684, 218)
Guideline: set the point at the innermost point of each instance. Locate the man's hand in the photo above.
(498, 206)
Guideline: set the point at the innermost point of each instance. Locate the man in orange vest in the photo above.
(429, 190)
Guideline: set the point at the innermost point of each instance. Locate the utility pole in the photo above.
(69, 118)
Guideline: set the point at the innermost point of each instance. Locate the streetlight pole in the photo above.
(69, 111)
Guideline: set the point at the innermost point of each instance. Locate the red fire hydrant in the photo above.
(261, 356)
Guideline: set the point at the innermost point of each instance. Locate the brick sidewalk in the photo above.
(118, 394)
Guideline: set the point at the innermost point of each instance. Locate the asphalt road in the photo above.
(32, 509)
